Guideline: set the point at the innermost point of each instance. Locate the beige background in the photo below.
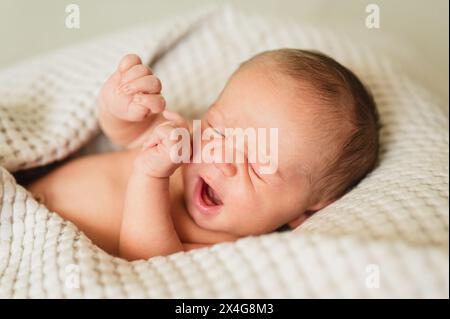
(28, 28)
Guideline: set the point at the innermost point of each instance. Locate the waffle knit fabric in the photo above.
(388, 237)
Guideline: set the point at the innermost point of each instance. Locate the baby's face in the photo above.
(236, 198)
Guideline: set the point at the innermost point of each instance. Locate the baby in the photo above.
(140, 203)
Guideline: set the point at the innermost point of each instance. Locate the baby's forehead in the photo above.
(264, 100)
(259, 109)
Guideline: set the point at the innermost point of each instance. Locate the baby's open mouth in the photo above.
(209, 196)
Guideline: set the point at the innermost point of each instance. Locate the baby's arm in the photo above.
(129, 101)
(147, 228)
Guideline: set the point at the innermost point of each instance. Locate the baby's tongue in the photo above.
(210, 197)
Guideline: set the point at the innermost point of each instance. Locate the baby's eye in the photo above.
(217, 131)
(255, 170)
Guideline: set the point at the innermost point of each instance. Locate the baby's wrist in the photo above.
(146, 181)
(150, 174)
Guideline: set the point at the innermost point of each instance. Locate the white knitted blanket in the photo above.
(387, 238)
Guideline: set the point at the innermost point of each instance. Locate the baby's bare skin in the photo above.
(138, 203)
(90, 192)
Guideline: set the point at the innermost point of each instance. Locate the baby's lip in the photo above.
(212, 185)
(205, 205)
(210, 196)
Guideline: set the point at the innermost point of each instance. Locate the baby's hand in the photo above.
(132, 93)
(155, 158)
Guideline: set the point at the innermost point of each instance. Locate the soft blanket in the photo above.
(388, 237)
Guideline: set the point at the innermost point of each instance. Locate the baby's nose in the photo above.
(227, 169)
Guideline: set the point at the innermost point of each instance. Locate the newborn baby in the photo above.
(140, 203)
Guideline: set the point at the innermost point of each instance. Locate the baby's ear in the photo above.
(298, 221)
(311, 211)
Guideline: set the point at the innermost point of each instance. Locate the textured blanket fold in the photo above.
(388, 237)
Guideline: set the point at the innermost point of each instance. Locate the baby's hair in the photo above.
(353, 116)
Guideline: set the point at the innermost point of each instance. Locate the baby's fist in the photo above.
(132, 92)
(160, 156)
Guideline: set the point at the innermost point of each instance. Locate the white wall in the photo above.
(28, 28)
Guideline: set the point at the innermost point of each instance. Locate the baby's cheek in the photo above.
(246, 203)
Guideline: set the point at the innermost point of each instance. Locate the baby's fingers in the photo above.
(147, 84)
(128, 62)
(170, 133)
(175, 118)
(164, 130)
(137, 112)
(154, 102)
(137, 71)
(151, 142)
